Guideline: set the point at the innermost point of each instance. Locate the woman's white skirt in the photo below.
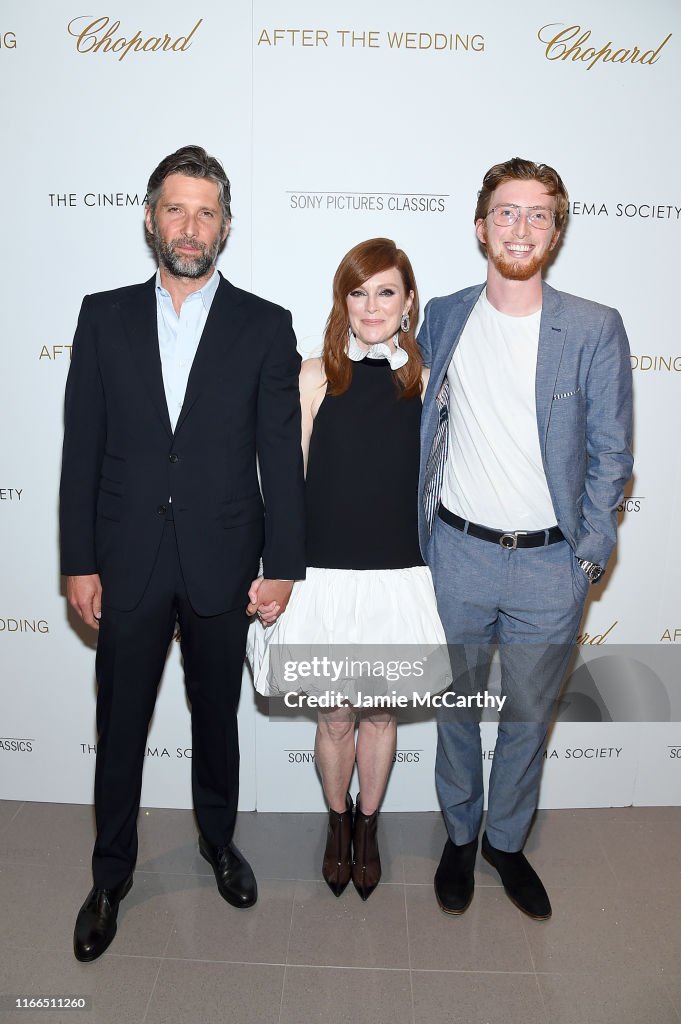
(353, 634)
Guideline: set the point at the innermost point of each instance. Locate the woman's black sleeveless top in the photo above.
(362, 475)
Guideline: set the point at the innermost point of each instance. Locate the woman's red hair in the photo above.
(362, 262)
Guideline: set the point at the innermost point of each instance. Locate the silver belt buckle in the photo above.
(509, 541)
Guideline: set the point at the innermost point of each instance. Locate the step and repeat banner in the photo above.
(336, 125)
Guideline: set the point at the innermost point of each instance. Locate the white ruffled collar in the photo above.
(396, 358)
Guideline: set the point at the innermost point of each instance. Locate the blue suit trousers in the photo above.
(528, 601)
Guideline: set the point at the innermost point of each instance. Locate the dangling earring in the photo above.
(404, 323)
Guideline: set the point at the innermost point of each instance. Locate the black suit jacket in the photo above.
(122, 461)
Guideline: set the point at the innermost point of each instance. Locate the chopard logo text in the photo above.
(569, 43)
(102, 35)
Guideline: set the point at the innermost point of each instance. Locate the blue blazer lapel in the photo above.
(552, 337)
(435, 432)
(451, 332)
(139, 317)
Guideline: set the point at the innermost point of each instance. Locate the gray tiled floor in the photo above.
(609, 955)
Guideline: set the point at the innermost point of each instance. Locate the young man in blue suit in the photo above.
(526, 448)
(175, 386)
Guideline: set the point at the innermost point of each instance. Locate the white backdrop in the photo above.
(334, 125)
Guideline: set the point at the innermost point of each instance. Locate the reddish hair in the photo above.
(362, 262)
(518, 169)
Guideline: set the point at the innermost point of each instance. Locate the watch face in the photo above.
(592, 571)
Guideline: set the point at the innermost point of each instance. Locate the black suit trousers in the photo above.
(131, 653)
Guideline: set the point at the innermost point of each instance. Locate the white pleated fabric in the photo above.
(378, 616)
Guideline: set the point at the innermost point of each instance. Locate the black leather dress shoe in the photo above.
(97, 921)
(522, 883)
(233, 873)
(454, 881)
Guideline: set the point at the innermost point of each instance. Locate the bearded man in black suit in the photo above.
(177, 388)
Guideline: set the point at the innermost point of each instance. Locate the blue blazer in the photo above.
(583, 390)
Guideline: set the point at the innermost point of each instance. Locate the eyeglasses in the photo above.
(506, 215)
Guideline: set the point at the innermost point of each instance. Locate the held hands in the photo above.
(268, 598)
(84, 594)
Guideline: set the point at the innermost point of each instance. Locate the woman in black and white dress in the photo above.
(368, 594)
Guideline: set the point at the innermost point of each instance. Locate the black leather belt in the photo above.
(509, 539)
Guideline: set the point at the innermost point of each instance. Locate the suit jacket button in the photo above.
(161, 510)
(173, 457)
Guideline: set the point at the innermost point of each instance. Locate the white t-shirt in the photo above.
(494, 474)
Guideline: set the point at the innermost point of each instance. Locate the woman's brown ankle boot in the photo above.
(337, 863)
(366, 867)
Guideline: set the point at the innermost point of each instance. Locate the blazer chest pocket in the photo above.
(567, 422)
(564, 396)
(242, 511)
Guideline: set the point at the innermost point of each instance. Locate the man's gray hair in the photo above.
(195, 163)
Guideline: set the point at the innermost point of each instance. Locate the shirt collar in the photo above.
(206, 293)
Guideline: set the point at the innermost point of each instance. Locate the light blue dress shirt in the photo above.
(179, 337)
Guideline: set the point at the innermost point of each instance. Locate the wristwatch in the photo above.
(591, 570)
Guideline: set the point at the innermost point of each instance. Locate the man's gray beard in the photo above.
(185, 266)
